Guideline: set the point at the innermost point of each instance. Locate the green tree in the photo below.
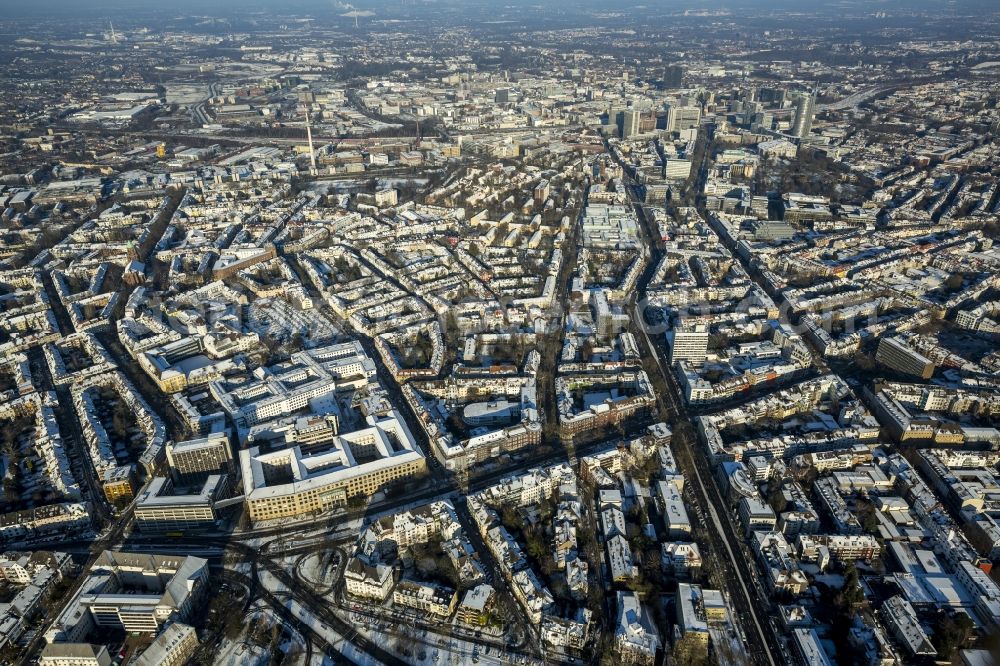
(452, 332)
(11, 488)
(852, 591)
(951, 632)
(120, 420)
(866, 513)
(776, 498)
(536, 546)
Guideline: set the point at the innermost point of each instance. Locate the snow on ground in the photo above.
(384, 183)
(307, 527)
(318, 658)
(288, 561)
(275, 318)
(254, 542)
(349, 650)
(437, 650)
(318, 569)
(240, 653)
(833, 580)
(245, 568)
(453, 651)
(272, 584)
(728, 647)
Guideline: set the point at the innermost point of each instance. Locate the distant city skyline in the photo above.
(441, 332)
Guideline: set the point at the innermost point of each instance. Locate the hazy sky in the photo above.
(206, 6)
(139, 8)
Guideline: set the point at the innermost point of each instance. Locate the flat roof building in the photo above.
(195, 460)
(897, 355)
(902, 620)
(137, 592)
(689, 344)
(808, 648)
(691, 612)
(289, 482)
(159, 509)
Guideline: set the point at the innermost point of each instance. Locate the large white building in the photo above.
(74, 654)
(689, 344)
(137, 592)
(367, 581)
(173, 647)
(308, 380)
(291, 482)
(159, 509)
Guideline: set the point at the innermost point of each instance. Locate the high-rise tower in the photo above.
(309, 136)
(805, 108)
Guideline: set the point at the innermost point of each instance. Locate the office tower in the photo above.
(630, 123)
(671, 117)
(502, 96)
(541, 192)
(689, 344)
(894, 353)
(673, 76)
(309, 136)
(682, 117)
(805, 108)
(676, 169)
(194, 460)
(615, 118)
(160, 508)
(771, 95)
